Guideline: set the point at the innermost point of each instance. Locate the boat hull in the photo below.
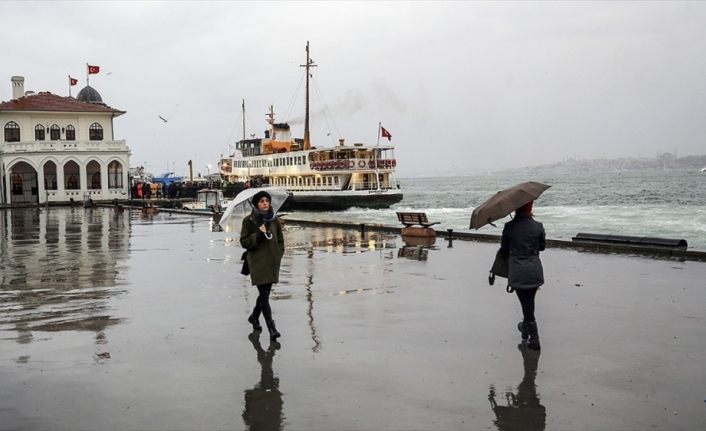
(341, 200)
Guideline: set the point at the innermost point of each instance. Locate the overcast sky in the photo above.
(462, 87)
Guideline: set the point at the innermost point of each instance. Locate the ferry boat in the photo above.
(321, 178)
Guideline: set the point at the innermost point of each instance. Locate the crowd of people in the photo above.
(175, 190)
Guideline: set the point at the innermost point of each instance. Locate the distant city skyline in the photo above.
(462, 87)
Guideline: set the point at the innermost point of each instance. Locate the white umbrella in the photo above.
(241, 205)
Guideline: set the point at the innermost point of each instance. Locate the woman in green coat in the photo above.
(261, 235)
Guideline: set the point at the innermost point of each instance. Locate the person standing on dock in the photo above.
(523, 238)
(261, 235)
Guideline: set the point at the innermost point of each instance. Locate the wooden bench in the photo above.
(409, 219)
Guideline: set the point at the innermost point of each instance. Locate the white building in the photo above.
(57, 148)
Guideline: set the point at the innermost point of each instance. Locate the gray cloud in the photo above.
(465, 87)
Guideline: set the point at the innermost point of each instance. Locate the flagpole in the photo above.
(88, 75)
(69, 85)
(377, 171)
(379, 126)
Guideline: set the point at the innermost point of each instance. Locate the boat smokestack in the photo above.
(18, 86)
(340, 142)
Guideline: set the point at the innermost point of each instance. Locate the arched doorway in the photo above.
(50, 176)
(23, 184)
(93, 175)
(115, 175)
(71, 176)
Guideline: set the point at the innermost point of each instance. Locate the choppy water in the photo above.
(668, 204)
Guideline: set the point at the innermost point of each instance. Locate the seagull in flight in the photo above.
(162, 118)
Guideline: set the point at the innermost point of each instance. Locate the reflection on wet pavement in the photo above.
(136, 322)
(59, 268)
(522, 410)
(263, 403)
(416, 248)
(338, 240)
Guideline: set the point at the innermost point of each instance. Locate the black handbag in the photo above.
(499, 268)
(245, 270)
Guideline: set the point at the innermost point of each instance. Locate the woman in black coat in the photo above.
(261, 234)
(523, 238)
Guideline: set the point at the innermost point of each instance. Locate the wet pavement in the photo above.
(131, 322)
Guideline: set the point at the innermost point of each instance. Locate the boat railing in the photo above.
(313, 188)
(369, 186)
(352, 164)
(352, 186)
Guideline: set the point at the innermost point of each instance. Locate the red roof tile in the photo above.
(46, 101)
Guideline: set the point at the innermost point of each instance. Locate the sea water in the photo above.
(652, 203)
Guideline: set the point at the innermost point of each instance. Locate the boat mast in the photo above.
(309, 64)
(243, 119)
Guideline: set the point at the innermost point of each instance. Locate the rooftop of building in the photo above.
(46, 101)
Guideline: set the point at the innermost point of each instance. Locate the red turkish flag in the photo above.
(92, 70)
(385, 133)
(72, 81)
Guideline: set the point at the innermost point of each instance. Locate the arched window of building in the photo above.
(70, 133)
(93, 175)
(115, 175)
(16, 181)
(50, 176)
(39, 132)
(72, 182)
(12, 132)
(95, 132)
(71, 176)
(96, 181)
(54, 132)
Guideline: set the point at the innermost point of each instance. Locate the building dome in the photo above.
(89, 94)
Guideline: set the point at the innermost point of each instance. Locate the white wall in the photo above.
(81, 122)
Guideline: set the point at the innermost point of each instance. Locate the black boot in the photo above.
(255, 321)
(533, 342)
(274, 334)
(522, 327)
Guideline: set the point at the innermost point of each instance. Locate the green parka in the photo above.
(264, 255)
